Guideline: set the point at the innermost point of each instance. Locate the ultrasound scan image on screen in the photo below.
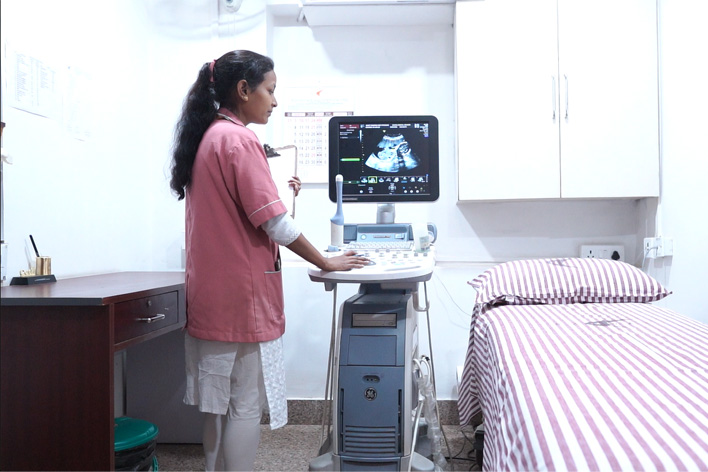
(384, 158)
(393, 154)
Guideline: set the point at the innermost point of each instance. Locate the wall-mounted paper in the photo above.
(307, 114)
(33, 83)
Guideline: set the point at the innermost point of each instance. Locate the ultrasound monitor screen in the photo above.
(384, 158)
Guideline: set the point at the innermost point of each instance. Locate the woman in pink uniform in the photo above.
(235, 223)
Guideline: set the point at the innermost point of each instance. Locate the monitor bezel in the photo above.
(434, 164)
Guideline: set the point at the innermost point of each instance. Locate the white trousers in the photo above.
(230, 391)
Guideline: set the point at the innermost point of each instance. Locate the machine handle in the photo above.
(416, 305)
(151, 319)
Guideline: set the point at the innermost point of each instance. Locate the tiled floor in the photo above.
(294, 446)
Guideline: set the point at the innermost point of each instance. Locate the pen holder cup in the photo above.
(43, 266)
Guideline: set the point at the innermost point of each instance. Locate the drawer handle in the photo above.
(151, 319)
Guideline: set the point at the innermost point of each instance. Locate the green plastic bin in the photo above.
(134, 444)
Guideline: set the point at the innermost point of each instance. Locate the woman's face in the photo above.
(256, 105)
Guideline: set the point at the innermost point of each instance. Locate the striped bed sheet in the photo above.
(588, 386)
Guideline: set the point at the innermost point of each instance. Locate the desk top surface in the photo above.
(92, 290)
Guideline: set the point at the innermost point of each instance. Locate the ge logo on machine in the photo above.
(370, 394)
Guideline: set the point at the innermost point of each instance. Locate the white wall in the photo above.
(184, 35)
(82, 200)
(684, 147)
(106, 206)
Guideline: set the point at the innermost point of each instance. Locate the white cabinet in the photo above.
(557, 99)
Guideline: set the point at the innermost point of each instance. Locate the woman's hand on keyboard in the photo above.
(347, 261)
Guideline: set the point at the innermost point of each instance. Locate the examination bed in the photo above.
(572, 368)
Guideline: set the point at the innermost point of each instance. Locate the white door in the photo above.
(608, 69)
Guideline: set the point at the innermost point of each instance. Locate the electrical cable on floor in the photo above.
(462, 448)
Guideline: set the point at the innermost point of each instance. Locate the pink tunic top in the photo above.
(233, 279)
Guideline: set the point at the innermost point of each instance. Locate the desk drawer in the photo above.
(141, 316)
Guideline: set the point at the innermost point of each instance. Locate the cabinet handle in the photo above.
(553, 95)
(151, 319)
(566, 96)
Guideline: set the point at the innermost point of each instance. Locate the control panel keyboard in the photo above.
(393, 259)
(391, 251)
(379, 246)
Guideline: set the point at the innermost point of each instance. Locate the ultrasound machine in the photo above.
(378, 384)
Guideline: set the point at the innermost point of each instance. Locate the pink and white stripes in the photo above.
(592, 386)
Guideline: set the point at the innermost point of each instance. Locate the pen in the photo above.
(34, 246)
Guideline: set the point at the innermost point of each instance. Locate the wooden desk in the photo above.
(57, 345)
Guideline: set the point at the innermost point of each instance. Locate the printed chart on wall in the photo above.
(34, 83)
(306, 118)
(60, 92)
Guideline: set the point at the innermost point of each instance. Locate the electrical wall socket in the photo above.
(658, 247)
(599, 251)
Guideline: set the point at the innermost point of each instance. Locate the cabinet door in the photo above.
(608, 69)
(507, 99)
